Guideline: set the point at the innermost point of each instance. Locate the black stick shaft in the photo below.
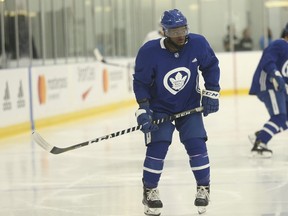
(56, 150)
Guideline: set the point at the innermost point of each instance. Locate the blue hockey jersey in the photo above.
(171, 80)
(274, 57)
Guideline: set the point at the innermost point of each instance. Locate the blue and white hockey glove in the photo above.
(144, 118)
(210, 101)
(278, 81)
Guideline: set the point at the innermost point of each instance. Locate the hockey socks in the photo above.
(200, 167)
(276, 124)
(152, 171)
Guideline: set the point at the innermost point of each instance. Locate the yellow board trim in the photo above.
(69, 117)
(234, 92)
(64, 118)
(14, 130)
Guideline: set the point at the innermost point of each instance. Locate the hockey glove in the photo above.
(278, 81)
(144, 118)
(210, 101)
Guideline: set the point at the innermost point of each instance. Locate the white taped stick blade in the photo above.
(98, 55)
(40, 141)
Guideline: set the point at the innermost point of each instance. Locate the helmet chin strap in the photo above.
(173, 47)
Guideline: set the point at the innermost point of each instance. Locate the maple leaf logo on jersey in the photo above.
(176, 79)
(178, 82)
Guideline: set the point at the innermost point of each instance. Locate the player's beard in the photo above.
(180, 41)
(176, 43)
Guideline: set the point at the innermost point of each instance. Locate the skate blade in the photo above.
(263, 155)
(152, 211)
(201, 209)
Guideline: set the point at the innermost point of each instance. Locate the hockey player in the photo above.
(166, 81)
(269, 85)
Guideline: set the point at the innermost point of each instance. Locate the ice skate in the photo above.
(202, 198)
(260, 150)
(151, 201)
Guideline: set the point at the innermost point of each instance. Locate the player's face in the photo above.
(179, 40)
(178, 35)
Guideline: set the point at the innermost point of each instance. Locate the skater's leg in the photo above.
(275, 103)
(200, 166)
(276, 124)
(153, 165)
(193, 136)
(198, 160)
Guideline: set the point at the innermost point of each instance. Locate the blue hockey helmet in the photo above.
(173, 19)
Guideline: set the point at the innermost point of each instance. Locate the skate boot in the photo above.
(151, 201)
(202, 198)
(260, 150)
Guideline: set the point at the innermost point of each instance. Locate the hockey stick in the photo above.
(99, 57)
(56, 150)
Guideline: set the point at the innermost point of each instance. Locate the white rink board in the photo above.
(118, 84)
(64, 89)
(246, 64)
(51, 87)
(14, 97)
